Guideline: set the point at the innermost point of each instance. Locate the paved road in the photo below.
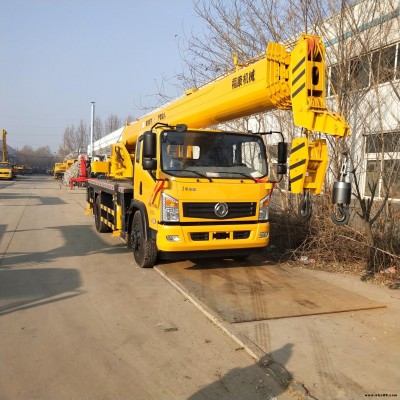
(79, 320)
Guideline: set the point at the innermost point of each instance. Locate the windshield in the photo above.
(5, 165)
(213, 155)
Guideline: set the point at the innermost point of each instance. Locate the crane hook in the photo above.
(341, 215)
(341, 195)
(305, 207)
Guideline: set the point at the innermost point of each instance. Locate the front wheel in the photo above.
(144, 251)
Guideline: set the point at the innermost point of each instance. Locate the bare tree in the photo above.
(360, 39)
(129, 118)
(39, 160)
(98, 128)
(68, 144)
(112, 123)
(82, 137)
(361, 42)
(75, 140)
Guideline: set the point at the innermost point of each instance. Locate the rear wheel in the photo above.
(144, 251)
(100, 226)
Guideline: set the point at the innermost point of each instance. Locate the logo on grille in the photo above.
(221, 209)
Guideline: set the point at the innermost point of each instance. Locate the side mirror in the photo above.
(149, 157)
(281, 168)
(149, 145)
(149, 164)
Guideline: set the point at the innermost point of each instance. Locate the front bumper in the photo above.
(200, 238)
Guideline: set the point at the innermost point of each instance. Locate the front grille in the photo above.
(198, 236)
(206, 210)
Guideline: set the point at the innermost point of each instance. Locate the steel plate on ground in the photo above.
(258, 290)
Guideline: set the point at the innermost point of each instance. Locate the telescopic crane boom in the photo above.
(277, 80)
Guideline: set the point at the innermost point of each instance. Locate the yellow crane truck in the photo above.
(6, 168)
(59, 170)
(176, 190)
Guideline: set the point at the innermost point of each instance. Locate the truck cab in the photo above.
(209, 192)
(6, 171)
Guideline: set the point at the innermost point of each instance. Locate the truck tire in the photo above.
(100, 226)
(144, 251)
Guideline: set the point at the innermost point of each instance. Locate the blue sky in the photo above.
(57, 56)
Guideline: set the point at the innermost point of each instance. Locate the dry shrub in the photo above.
(322, 244)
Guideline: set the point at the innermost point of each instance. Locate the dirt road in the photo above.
(79, 320)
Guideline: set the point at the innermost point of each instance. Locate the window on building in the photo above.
(373, 144)
(388, 142)
(359, 72)
(376, 67)
(391, 171)
(338, 78)
(383, 62)
(372, 178)
(383, 165)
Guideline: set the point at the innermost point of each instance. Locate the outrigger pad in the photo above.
(261, 290)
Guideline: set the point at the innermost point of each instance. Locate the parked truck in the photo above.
(59, 170)
(177, 189)
(6, 168)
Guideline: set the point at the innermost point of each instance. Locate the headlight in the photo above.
(170, 209)
(263, 214)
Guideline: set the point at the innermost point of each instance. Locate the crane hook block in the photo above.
(308, 163)
(341, 197)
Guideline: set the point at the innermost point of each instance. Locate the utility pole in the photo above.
(92, 131)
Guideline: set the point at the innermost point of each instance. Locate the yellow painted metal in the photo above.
(19, 169)
(121, 166)
(89, 208)
(6, 168)
(307, 165)
(70, 162)
(107, 209)
(298, 164)
(100, 167)
(6, 171)
(118, 217)
(60, 166)
(307, 89)
(186, 243)
(317, 166)
(59, 169)
(4, 146)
